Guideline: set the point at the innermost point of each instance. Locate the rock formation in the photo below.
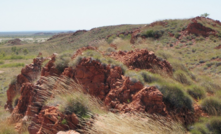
(142, 59)
(100, 80)
(14, 42)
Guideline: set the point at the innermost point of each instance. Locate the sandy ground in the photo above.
(1, 72)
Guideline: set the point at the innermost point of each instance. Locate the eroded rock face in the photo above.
(142, 59)
(103, 81)
(134, 36)
(199, 29)
(51, 121)
(28, 73)
(117, 91)
(49, 69)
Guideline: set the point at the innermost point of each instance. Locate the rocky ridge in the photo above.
(103, 81)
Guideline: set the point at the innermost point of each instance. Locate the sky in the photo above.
(47, 15)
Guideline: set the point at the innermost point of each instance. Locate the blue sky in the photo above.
(37, 15)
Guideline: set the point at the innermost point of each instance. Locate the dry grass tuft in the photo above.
(133, 124)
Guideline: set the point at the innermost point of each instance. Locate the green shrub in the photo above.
(1, 62)
(199, 129)
(181, 77)
(75, 62)
(110, 49)
(164, 54)
(215, 124)
(149, 77)
(207, 126)
(135, 76)
(212, 105)
(111, 38)
(196, 92)
(154, 34)
(121, 36)
(62, 62)
(210, 86)
(175, 95)
(25, 51)
(177, 35)
(149, 33)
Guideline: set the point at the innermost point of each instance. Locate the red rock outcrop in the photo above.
(134, 36)
(28, 74)
(199, 29)
(117, 91)
(142, 59)
(162, 23)
(103, 81)
(51, 121)
(14, 42)
(50, 69)
(218, 47)
(113, 46)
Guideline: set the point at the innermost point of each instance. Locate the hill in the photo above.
(166, 72)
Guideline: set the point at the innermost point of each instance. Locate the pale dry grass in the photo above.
(134, 124)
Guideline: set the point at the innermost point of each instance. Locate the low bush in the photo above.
(154, 34)
(149, 77)
(111, 38)
(62, 62)
(199, 128)
(134, 76)
(174, 94)
(196, 92)
(215, 124)
(177, 35)
(83, 105)
(75, 62)
(207, 126)
(212, 105)
(164, 54)
(182, 77)
(209, 85)
(2, 62)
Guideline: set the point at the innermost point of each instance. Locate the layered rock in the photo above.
(117, 91)
(142, 59)
(100, 80)
(50, 69)
(28, 74)
(199, 29)
(51, 121)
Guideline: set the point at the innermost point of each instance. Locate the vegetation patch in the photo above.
(181, 77)
(207, 126)
(12, 65)
(196, 92)
(62, 62)
(174, 94)
(212, 105)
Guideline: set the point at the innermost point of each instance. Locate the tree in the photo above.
(13, 49)
(25, 51)
(205, 15)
